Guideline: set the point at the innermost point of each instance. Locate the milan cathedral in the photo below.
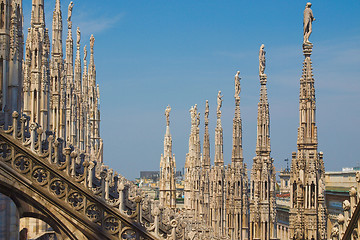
(59, 100)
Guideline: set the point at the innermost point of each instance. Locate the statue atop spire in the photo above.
(206, 114)
(78, 37)
(167, 114)
(262, 60)
(85, 53)
(219, 104)
(308, 19)
(237, 85)
(92, 41)
(71, 5)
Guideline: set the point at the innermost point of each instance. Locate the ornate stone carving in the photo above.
(40, 175)
(128, 234)
(58, 187)
(22, 164)
(76, 200)
(111, 224)
(93, 212)
(5, 151)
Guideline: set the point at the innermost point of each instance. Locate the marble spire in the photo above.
(237, 151)
(206, 145)
(167, 185)
(69, 61)
(307, 205)
(263, 176)
(37, 14)
(219, 155)
(57, 28)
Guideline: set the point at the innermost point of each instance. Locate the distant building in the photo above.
(285, 181)
(337, 186)
(155, 175)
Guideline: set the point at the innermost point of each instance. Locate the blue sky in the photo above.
(153, 53)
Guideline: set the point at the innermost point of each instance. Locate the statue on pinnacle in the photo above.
(70, 8)
(85, 52)
(308, 19)
(167, 114)
(206, 112)
(78, 36)
(219, 103)
(237, 85)
(262, 60)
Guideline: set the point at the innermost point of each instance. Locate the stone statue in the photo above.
(92, 41)
(237, 84)
(85, 53)
(198, 119)
(308, 19)
(167, 114)
(206, 111)
(71, 5)
(219, 102)
(78, 36)
(262, 60)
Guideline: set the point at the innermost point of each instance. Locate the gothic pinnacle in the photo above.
(219, 157)
(206, 144)
(57, 28)
(263, 132)
(58, 6)
(307, 204)
(237, 150)
(37, 14)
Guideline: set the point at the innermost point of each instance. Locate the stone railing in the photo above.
(87, 186)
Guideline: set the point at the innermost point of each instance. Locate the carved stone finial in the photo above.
(308, 19)
(33, 126)
(15, 114)
(262, 60)
(71, 5)
(167, 114)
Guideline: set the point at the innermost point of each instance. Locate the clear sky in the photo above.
(151, 53)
